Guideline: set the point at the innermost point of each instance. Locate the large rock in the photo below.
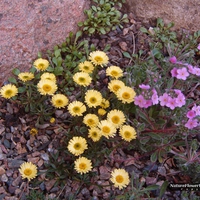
(184, 13)
(30, 26)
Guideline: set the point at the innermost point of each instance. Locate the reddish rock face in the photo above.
(27, 27)
(184, 13)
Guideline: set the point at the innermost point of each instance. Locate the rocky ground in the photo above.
(17, 145)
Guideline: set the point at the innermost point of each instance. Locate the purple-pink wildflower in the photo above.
(196, 71)
(154, 97)
(171, 103)
(174, 72)
(172, 59)
(182, 73)
(198, 47)
(180, 100)
(191, 114)
(191, 123)
(139, 101)
(145, 87)
(196, 109)
(164, 99)
(190, 69)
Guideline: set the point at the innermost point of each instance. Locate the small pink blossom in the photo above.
(164, 99)
(191, 114)
(172, 59)
(196, 109)
(191, 123)
(198, 47)
(145, 87)
(139, 101)
(174, 72)
(197, 71)
(148, 103)
(190, 69)
(180, 100)
(154, 97)
(182, 73)
(171, 103)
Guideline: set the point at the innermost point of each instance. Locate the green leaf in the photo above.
(57, 53)
(154, 157)
(16, 71)
(126, 54)
(58, 71)
(102, 30)
(91, 30)
(78, 34)
(155, 136)
(143, 30)
(21, 89)
(12, 80)
(151, 187)
(163, 189)
(170, 83)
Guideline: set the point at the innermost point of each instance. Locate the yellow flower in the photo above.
(126, 94)
(114, 72)
(52, 120)
(116, 117)
(47, 87)
(120, 178)
(105, 103)
(82, 78)
(28, 170)
(86, 67)
(115, 85)
(101, 111)
(26, 76)
(76, 108)
(59, 100)
(91, 120)
(83, 165)
(48, 76)
(98, 58)
(77, 145)
(95, 134)
(107, 128)
(93, 98)
(33, 131)
(127, 133)
(41, 64)
(8, 91)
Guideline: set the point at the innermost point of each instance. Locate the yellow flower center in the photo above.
(27, 172)
(90, 121)
(46, 87)
(94, 134)
(59, 102)
(126, 95)
(41, 65)
(25, 77)
(114, 73)
(127, 134)
(98, 59)
(106, 129)
(116, 87)
(119, 178)
(77, 146)
(82, 166)
(76, 109)
(115, 119)
(81, 79)
(8, 92)
(85, 67)
(93, 100)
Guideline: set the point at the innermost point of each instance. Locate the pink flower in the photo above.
(145, 87)
(180, 100)
(196, 109)
(171, 103)
(172, 59)
(191, 123)
(174, 72)
(198, 47)
(191, 69)
(148, 103)
(139, 101)
(182, 73)
(191, 114)
(154, 97)
(197, 71)
(164, 99)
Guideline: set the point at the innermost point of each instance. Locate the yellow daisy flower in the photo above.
(82, 78)
(95, 134)
(77, 145)
(114, 72)
(120, 178)
(33, 131)
(26, 76)
(76, 108)
(52, 120)
(98, 58)
(47, 87)
(91, 120)
(28, 170)
(86, 67)
(105, 103)
(101, 111)
(117, 117)
(115, 85)
(59, 100)
(48, 76)
(83, 165)
(41, 64)
(93, 98)
(8, 91)
(127, 133)
(126, 94)
(107, 128)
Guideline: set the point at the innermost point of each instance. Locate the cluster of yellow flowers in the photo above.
(98, 124)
